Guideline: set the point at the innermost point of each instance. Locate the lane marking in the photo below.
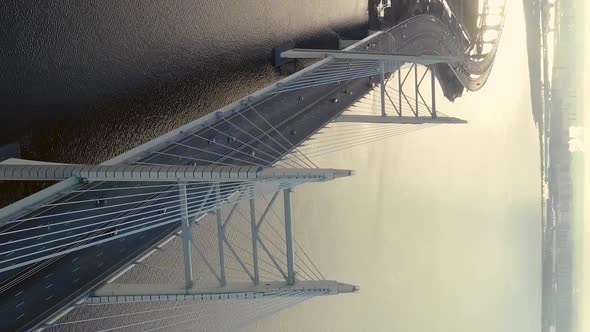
(76, 269)
(48, 286)
(19, 293)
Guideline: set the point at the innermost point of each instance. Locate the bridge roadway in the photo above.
(33, 293)
(54, 284)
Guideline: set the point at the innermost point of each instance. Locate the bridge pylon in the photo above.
(162, 195)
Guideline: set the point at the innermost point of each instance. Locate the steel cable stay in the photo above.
(256, 150)
(352, 133)
(367, 140)
(268, 302)
(209, 231)
(286, 150)
(249, 254)
(246, 162)
(369, 127)
(300, 248)
(277, 306)
(110, 198)
(263, 133)
(231, 187)
(258, 140)
(124, 232)
(327, 139)
(307, 270)
(138, 184)
(360, 138)
(327, 151)
(296, 163)
(340, 136)
(204, 209)
(266, 161)
(263, 310)
(80, 321)
(268, 306)
(227, 188)
(269, 240)
(293, 147)
(343, 76)
(279, 248)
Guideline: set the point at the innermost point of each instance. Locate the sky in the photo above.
(585, 305)
(440, 228)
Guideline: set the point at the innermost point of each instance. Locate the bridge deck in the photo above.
(259, 132)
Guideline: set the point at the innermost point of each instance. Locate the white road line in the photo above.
(76, 269)
(48, 286)
(17, 294)
(49, 275)
(19, 317)
(18, 305)
(49, 298)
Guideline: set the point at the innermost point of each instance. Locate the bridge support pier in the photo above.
(254, 231)
(220, 238)
(382, 65)
(186, 236)
(433, 90)
(289, 237)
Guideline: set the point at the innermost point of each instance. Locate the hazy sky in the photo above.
(585, 99)
(440, 228)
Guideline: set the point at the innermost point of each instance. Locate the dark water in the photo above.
(84, 81)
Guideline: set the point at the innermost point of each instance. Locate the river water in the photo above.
(83, 82)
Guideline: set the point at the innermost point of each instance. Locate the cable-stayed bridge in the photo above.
(212, 198)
